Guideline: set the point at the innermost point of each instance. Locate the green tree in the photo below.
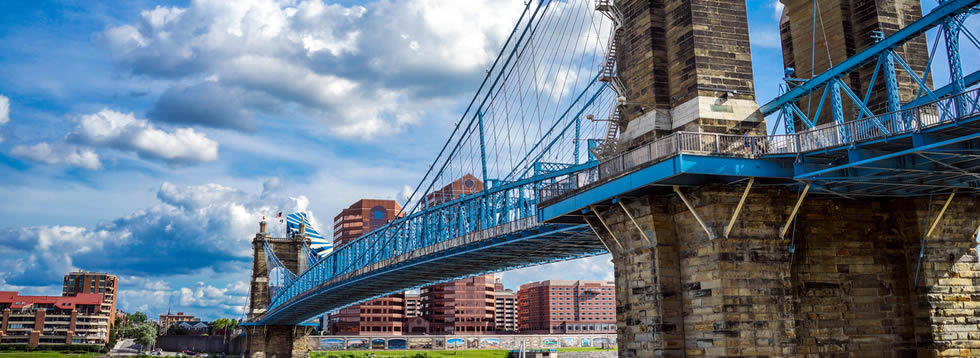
(146, 335)
(137, 318)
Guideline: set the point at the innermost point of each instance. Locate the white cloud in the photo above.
(4, 112)
(364, 71)
(58, 154)
(123, 131)
(766, 39)
(4, 109)
(193, 228)
(777, 8)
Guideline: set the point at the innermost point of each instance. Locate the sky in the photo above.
(146, 138)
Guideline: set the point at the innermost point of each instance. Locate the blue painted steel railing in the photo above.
(504, 203)
(944, 111)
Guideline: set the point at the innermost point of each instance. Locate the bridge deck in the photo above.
(508, 246)
(915, 151)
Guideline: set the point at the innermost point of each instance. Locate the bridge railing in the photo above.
(502, 207)
(943, 111)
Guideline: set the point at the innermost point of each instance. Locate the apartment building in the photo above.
(39, 320)
(169, 320)
(100, 283)
(564, 306)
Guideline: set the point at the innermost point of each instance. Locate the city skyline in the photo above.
(96, 93)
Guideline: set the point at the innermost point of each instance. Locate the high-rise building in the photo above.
(385, 315)
(99, 283)
(463, 306)
(844, 28)
(81, 318)
(563, 306)
(413, 305)
(465, 185)
(362, 217)
(505, 309)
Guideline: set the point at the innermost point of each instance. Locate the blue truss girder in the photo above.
(932, 19)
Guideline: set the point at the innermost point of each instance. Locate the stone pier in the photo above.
(274, 341)
(841, 282)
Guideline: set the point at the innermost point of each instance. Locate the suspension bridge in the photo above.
(538, 162)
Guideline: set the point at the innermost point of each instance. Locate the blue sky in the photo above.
(159, 132)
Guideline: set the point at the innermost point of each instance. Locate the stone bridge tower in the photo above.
(725, 270)
(274, 341)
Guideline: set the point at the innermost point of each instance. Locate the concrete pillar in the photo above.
(277, 341)
(847, 287)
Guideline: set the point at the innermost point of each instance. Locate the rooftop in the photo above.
(64, 302)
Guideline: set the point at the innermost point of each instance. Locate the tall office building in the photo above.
(381, 316)
(463, 306)
(465, 185)
(562, 306)
(99, 283)
(505, 309)
(844, 28)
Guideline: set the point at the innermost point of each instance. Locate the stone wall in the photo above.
(847, 287)
(203, 344)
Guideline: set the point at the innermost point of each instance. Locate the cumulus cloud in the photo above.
(125, 132)
(363, 70)
(192, 228)
(58, 154)
(206, 104)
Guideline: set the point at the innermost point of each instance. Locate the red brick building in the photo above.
(94, 282)
(463, 306)
(381, 316)
(562, 306)
(39, 320)
(466, 185)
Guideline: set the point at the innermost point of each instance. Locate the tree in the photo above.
(146, 335)
(176, 330)
(137, 318)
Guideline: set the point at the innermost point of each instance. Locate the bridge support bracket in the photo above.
(941, 212)
(796, 209)
(637, 225)
(677, 189)
(738, 209)
(605, 226)
(601, 240)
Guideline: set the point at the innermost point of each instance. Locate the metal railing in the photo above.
(945, 110)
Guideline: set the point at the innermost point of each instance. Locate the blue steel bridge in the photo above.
(549, 104)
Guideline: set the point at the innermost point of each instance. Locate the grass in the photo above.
(473, 353)
(49, 354)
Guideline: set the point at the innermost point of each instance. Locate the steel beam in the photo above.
(792, 215)
(941, 212)
(738, 209)
(690, 208)
(638, 228)
(603, 222)
(926, 22)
